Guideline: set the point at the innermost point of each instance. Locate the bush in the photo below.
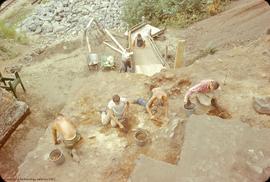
(160, 11)
(179, 12)
(9, 32)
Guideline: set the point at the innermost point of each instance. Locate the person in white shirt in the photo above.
(116, 112)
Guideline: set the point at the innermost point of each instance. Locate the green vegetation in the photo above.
(9, 32)
(173, 12)
(10, 22)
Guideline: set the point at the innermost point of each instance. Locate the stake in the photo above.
(115, 41)
(114, 48)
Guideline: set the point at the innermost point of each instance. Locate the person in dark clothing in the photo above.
(139, 42)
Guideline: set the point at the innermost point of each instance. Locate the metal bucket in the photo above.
(57, 157)
(92, 59)
(189, 109)
(141, 137)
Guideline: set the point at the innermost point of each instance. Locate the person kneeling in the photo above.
(116, 112)
(70, 136)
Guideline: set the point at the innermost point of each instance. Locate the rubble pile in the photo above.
(11, 111)
(66, 18)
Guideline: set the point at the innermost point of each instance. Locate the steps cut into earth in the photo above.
(214, 150)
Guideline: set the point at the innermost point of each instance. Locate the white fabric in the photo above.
(125, 56)
(105, 118)
(118, 109)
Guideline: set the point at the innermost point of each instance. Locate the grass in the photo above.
(9, 32)
(11, 21)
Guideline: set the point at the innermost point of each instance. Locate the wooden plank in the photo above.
(157, 52)
(115, 41)
(158, 33)
(113, 48)
(179, 58)
(136, 27)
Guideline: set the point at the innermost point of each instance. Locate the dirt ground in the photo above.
(54, 76)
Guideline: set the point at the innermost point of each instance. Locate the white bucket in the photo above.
(92, 59)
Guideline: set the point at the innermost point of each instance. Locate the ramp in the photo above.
(147, 60)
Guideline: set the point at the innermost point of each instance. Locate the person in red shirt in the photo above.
(204, 87)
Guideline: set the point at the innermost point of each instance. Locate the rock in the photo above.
(262, 105)
(38, 51)
(47, 27)
(77, 13)
(58, 18)
(59, 28)
(28, 58)
(13, 68)
(38, 30)
(32, 27)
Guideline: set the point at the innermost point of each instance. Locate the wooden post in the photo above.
(115, 41)
(179, 57)
(114, 48)
(166, 53)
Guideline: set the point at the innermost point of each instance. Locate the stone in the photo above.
(107, 13)
(59, 28)
(58, 18)
(213, 150)
(32, 27)
(262, 105)
(28, 58)
(13, 68)
(47, 27)
(38, 30)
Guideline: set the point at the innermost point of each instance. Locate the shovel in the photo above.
(92, 58)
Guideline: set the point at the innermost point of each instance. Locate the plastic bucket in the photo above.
(57, 157)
